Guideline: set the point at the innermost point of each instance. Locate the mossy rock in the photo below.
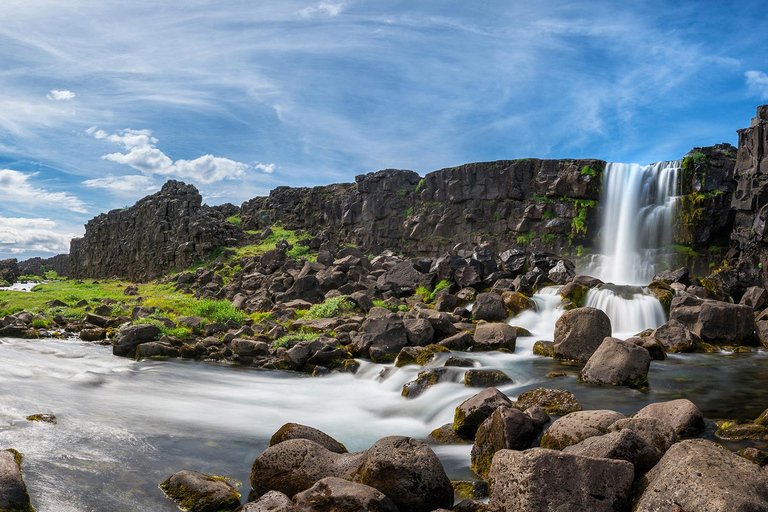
(446, 435)
(418, 355)
(544, 348)
(472, 489)
(663, 293)
(738, 430)
(522, 332)
(197, 492)
(556, 402)
(574, 292)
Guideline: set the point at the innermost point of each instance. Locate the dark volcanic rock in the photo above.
(197, 492)
(617, 362)
(296, 431)
(579, 332)
(506, 428)
(131, 336)
(273, 501)
(681, 415)
(471, 413)
(577, 426)
(341, 495)
(169, 229)
(490, 307)
(13, 491)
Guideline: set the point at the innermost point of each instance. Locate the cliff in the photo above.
(170, 229)
(530, 203)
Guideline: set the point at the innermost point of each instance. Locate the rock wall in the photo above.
(168, 230)
(39, 266)
(531, 204)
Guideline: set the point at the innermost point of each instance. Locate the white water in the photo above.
(639, 204)
(629, 308)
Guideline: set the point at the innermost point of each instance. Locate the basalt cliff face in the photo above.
(529, 204)
(538, 204)
(168, 230)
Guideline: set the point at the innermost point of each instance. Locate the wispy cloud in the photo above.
(322, 8)
(21, 191)
(123, 185)
(58, 95)
(757, 82)
(144, 156)
(20, 235)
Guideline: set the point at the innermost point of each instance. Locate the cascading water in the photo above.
(639, 205)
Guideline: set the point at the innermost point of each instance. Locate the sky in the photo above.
(102, 102)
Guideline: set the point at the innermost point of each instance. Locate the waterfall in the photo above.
(639, 204)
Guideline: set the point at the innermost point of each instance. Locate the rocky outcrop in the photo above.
(39, 266)
(168, 230)
(526, 203)
(9, 270)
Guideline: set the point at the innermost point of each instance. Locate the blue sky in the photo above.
(101, 102)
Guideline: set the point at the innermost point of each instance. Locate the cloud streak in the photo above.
(21, 235)
(58, 95)
(21, 191)
(757, 82)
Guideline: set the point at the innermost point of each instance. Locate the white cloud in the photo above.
(58, 95)
(143, 156)
(20, 191)
(322, 8)
(757, 81)
(20, 235)
(123, 184)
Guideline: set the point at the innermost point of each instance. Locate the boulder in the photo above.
(13, 491)
(652, 345)
(489, 307)
(619, 445)
(460, 341)
(557, 402)
(339, 495)
(675, 337)
(540, 480)
(419, 331)
(494, 336)
(305, 288)
(506, 428)
(755, 297)
(131, 336)
(155, 349)
(297, 431)
(544, 348)
(418, 355)
(424, 380)
(697, 474)
(579, 332)
(197, 492)
(673, 276)
(721, 323)
(95, 334)
(480, 378)
(656, 434)
(408, 472)
(577, 426)
(249, 348)
(516, 302)
(681, 415)
(381, 337)
(471, 413)
(273, 501)
(685, 309)
(617, 362)
(445, 435)
(402, 279)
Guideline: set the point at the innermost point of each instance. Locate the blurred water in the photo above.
(125, 426)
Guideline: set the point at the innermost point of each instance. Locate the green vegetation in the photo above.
(685, 250)
(420, 185)
(401, 193)
(423, 293)
(269, 243)
(284, 341)
(525, 238)
(235, 220)
(40, 323)
(695, 160)
(335, 306)
(408, 212)
(548, 214)
(548, 238)
(388, 305)
(579, 222)
(588, 171)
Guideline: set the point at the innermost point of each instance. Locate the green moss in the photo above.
(579, 222)
(588, 171)
(386, 305)
(740, 430)
(401, 193)
(420, 185)
(442, 285)
(235, 220)
(548, 214)
(548, 238)
(39, 323)
(195, 501)
(423, 293)
(525, 238)
(284, 341)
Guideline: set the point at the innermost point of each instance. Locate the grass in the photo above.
(388, 305)
(181, 332)
(525, 238)
(588, 171)
(335, 306)
(269, 243)
(235, 220)
(286, 340)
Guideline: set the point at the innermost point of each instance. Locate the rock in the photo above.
(401, 279)
(446, 435)
(381, 337)
(516, 302)
(473, 489)
(471, 413)
(45, 418)
(97, 320)
(654, 432)
(682, 415)
(467, 506)
(305, 288)
(13, 491)
(339, 495)
(674, 337)
(494, 336)
(579, 332)
(652, 345)
(479, 378)
(417, 355)
(617, 362)
(446, 301)
(700, 475)
(577, 426)
(408, 472)
(295, 465)
(752, 454)
(544, 348)
(95, 334)
(297, 431)
(249, 348)
(273, 501)
(619, 445)
(685, 309)
(156, 349)
(489, 307)
(441, 322)
(460, 341)
(540, 480)
(197, 492)
(467, 277)
(419, 331)
(673, 276)
(459, 362)
(721, 323)
(506, 428)
(425, 380)
(561, 274)
(574, 292)
(755, 297)
(129, 337)
(557, 402)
